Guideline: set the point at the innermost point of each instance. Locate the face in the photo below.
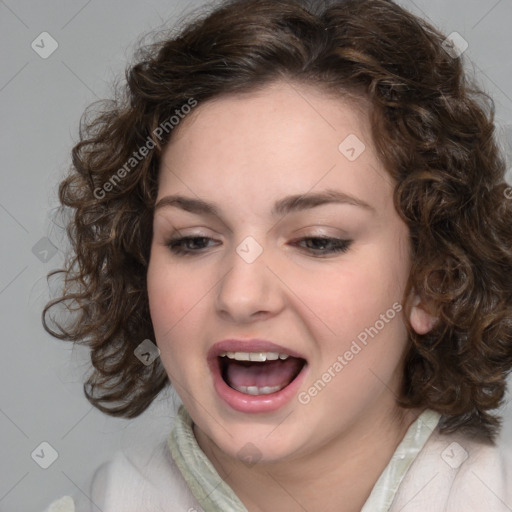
(283, 248)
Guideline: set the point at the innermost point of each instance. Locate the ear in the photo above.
(421, 320)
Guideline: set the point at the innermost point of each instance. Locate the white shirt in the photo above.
(429, 472)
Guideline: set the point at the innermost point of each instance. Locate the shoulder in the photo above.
(141, 479)
(455, 472)
(138, 479)
(483, 479)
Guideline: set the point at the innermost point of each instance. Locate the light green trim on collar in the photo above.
(208, 488)
(384, 490)
(214, 494)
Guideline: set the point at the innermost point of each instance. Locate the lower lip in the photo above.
(255, 403)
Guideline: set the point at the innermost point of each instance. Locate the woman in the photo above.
(302, 207)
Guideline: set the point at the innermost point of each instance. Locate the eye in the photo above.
(188, 245)
(325, 245)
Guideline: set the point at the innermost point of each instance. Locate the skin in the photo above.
(243, 153)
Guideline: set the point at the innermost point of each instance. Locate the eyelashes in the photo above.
(181, 246)
(337, 245)
(189, 246)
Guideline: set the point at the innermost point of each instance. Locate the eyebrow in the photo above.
(293, 203)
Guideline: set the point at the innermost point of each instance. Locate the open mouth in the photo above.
(259, 373)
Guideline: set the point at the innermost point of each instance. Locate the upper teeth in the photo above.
(254, 356)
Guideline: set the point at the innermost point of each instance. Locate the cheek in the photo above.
(347, 301)
(172, 295)
(353, 292)
(175, 305)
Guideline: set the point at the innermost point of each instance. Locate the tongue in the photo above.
(270, 373)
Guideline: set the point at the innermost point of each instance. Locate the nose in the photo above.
(249, 290)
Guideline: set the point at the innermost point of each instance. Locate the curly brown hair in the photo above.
(433, 130)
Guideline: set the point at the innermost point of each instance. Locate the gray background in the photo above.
(41, 101)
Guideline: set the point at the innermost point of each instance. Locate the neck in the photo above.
(337, 476)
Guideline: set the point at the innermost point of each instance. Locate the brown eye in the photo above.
(188, 245)
(326, 245)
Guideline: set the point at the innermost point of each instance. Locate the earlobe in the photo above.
(421, 320)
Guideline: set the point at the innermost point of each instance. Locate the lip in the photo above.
(251, 403)
(253, 345)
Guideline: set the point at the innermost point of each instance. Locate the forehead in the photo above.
(283, 139)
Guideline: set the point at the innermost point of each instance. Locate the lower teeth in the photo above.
(255, 390)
